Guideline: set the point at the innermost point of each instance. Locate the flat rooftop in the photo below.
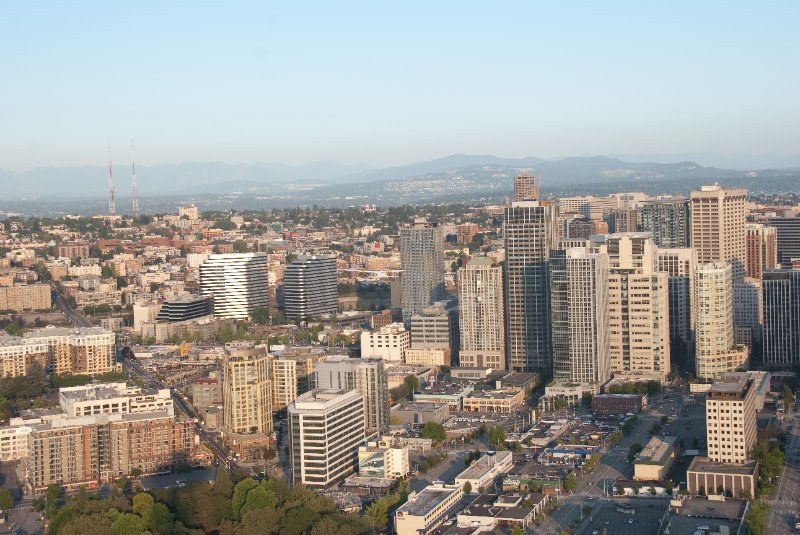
(657, 451)
(426, 500)
(483, 465)
(703, 464)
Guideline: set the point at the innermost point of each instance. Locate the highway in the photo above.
(60, 303)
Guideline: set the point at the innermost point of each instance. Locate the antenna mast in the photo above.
(110, 182)
(135, 202)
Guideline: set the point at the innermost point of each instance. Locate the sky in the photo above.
(388, 83)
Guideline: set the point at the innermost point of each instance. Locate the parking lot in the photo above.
(645, 517)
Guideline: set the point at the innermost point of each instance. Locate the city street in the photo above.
(785, 499)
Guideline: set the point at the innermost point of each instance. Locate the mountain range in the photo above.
(460, 177)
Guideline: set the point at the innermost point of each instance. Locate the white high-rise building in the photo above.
(237, 282)
(716, 351)
(579, 307)
(387, 343)
(326, 428)
(309, 286)
(368, 377)
(481, 315)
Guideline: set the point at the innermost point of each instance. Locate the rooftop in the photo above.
(658, 450)
(426, 499)
(703, 464)
(484, 465)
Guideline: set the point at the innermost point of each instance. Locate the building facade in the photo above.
(780, 292)
(718, 226)
(237, 282)
(668, 220)
(761, 249)
(731, 418)
(481, 315)
(309, 287)
(246, 395)
(422, 261)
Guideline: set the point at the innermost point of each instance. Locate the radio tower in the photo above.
(135, 201)
(110, 183)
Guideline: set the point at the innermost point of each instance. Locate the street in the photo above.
(785, 498)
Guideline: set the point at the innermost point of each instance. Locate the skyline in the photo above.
(384, 85)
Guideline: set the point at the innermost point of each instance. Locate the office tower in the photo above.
(668, 220)
(731, 418)
(481, 315)
(368, 377)
(781, 318)
(422, 260)
(529, 233)
(436, 327)
(526, 187)
(309, 287)
(716, 351)
(718, 220)
(246, 396)
(387, 343)
(237, 282)
(185, 308)
(638, 308)
(679, 265)
(761, 249)
(579, 308)
(326, 427)
(787, 237)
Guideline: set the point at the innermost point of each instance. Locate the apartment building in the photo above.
(761, 249)
(237, 282)
(84, 350)
(113, 398)
(731, 418)
(428, 357)
(246, 392)
(718, 226)
(309, 286)
(326, 428)
(481, 315)
(387, 343)
(25, 297)
(679, 264)
(422, 261)
(668, 220)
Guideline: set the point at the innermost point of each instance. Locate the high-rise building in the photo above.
(731, 418)
(668, 220)
(526, 187)
(781, 315)
(237, 282)
(638, 308)
(679, 265)
(326, 428)
(716, 351)
(309, 286)
(761, 249)
(718, 226)
(747, 313)
(529, 233)
(579, 308)
(292, 374)
(787, 237)
(246, 395)
(465, 232)
(422, 261)
(387, 343)
(622, 220)
(368, 377)
(481, 313)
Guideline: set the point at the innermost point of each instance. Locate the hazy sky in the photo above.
(393, 82)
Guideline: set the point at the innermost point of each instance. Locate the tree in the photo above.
(467, 487)
(434, 431)
(266, 520)
(239, 246)
(788, 398)
(377, 514)
(412, 382)
(298, 521)
(142, 503)
(757, 518)
(570, 483)
(6, 500)
(497, 436)
(240, 495)
(517, 531)
(128, 524)
(260, 315)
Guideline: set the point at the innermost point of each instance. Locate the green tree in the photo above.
(497, 436)
(517, 531)
(6, 500)
(142, 503)
(260, 315)
(299, 521)
(240, 495)
(467, 488)
(128, 524)
(757, 518)
(377, 514)
(788, 398)
(222, 483)
(570, 483)
(633, 451)
(412, 382)
(434, 431)
(239, 246)
(266, 520)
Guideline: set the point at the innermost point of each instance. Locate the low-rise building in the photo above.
(490, 511)
(417, 414)
(113, 398)
(655, 460)
(388, 343)
(499, 401)
(425, 356)
(451, 394)
(706, 477)
(482, 473)
(383, 460)
(614, 404)
(426, 510)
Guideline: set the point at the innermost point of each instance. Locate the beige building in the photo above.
(500, 401)
(731, 418)
(655, 460)
(638, 308)
(481, 315)
(718, 226)
(246, 395)
(26, 297)
(423, 356)
(716, 351)
(387, 343)
(113, 398)
(427, 509)
(84, 350)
